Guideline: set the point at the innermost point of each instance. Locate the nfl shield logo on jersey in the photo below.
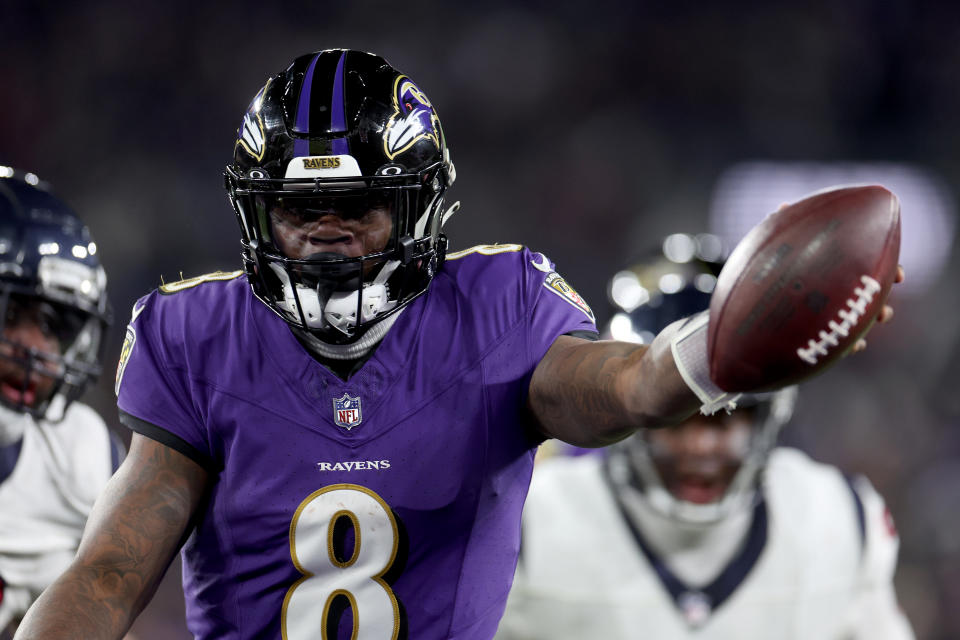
(346, 411)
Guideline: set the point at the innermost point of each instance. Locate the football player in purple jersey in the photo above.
(340, 436)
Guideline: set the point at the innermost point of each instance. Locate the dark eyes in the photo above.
(60, 323)
(303, 215)
(345, 209)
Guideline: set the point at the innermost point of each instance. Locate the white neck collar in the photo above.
(353, 350)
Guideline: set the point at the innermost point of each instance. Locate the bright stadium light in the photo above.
(705, 282)
(672, 282)
(626, 291)
(679, 247)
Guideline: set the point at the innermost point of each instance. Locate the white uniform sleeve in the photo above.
(876, 614)
(568, 506)
(515, 618)
(45, 501)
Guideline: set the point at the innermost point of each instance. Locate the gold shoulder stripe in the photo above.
(485, 249)
(189, 283)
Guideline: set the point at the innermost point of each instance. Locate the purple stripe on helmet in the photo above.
(338, 119)
(301, 147)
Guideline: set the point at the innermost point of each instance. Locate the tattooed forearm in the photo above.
(595, 393)
(133, 533)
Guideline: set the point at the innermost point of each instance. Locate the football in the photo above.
(802, 287)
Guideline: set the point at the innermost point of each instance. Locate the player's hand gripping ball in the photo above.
(802, 287)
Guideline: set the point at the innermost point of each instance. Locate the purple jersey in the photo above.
(388, 504)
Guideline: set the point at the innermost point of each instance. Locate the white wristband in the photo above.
(689, 348)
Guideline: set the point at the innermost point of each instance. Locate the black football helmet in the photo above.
(674, 282)
(49, 266)
(341, 129)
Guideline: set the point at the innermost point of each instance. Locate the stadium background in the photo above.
(585, 130)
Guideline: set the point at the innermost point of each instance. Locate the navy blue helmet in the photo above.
(674, 281)
(50, 269)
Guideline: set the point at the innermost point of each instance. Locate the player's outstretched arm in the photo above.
(592, 394)
(134, 531)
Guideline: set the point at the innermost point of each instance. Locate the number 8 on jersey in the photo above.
(319, 553)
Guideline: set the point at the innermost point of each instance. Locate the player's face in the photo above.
(31, 338)
(348, 226)
(698, 459)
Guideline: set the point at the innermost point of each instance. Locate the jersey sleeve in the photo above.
(876, 614)
(154, 392)
(554, 307)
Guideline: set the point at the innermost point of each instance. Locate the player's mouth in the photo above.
(698, 489)
(16, 394)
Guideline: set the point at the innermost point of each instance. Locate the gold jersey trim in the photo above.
(485, 249)
(189, 283)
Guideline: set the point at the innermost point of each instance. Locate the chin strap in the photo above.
(340, 311)
(309, 302)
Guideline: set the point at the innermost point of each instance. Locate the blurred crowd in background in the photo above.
(588, 131)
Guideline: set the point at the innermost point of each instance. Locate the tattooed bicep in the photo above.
(576, 385)
(144, 513)
(134, 531)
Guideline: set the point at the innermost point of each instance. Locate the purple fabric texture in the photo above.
(441, 442)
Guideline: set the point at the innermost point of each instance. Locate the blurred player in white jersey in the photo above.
(55, 454)
(706, 530)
